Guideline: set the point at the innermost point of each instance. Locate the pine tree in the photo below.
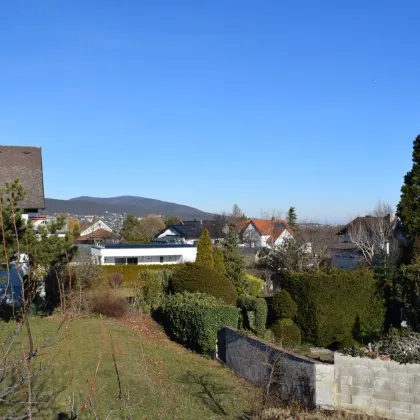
(408, 209)
(234, 260)
(219, 262)
(291, 218)
(205, 250)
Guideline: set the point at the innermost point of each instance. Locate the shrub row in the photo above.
(196, 278)
(194, 319)
(336, 307)
(254, 313)
(132, 274)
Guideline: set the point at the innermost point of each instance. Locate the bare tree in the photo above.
(374, 234)
(316, 240)
(148, 227)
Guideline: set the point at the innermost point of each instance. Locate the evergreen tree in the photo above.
(128, 227)
(205, 250)
(219, 262)
(408, 209)
(291, 218)
(234, 260)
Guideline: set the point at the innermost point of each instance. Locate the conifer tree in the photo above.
(234, 260)
(205, 250)
(408, 209)
(219, 262)
(291, 218)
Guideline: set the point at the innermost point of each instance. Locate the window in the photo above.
(161, 260)
(120, 260)
(132, 260)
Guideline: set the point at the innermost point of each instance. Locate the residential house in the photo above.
(189, 232)
(45, 220)
(138, 254)
(363, 239)
(25, 163)
(257, 233)
(97, 232)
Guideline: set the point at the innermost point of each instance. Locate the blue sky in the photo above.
(266, 104)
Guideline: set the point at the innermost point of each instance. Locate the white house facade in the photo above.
(263, 233)
(137, 254)
(98, 224)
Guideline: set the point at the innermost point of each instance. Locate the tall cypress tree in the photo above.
(291, 217)
(219, 262)
(205, 250)
(234, 260)
(408, 209)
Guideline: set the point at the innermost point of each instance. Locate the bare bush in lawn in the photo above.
(109, 304)
(115, 279)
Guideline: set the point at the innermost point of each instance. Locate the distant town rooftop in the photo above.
(131, 246)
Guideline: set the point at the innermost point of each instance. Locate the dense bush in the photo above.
(194, 319)
(195, 278)
(254, 313)
(335, 306)
(286, 332)
(109, 304)
(283, 305)
(409, 289)
(254, 285)
(152, 292)
(401, 346)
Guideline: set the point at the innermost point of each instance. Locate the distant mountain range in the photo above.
(139, 206)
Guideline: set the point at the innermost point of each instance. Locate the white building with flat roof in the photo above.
(112, 254)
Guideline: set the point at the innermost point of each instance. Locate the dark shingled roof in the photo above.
(24, 163)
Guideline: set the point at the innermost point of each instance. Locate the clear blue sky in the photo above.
(265, 104)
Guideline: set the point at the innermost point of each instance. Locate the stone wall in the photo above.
(379, 388)
(376, 387)
(290, 376)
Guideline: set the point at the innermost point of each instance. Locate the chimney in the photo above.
(273, 218)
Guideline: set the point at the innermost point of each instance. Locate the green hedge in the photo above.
(254, 313)
(336, 306)
(287, 333)
(194, 319)
(283, 305)
(132, 273)
(197, 278)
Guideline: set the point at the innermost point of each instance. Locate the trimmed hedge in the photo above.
(132, 273)
(336, 306)
(196, 278)
(286, 332)
(283, 305)
(194, 319)
(254, 285)
(257, 307)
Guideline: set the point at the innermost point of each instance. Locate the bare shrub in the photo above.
(115, 279)
(109, 304)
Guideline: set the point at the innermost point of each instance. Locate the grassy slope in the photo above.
(162, 379)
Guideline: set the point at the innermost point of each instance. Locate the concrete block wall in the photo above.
(379, 388)
(291, 376)
(376, 387)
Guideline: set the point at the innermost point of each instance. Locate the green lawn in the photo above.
(158, 378)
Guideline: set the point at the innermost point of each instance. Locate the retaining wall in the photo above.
(381, 388)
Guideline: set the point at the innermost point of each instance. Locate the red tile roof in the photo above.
(99, 234)
(273, 228)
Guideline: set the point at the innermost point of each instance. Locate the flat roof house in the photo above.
(25, 163)
(136, 254)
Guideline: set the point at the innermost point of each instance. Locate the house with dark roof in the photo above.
(257, 233)
(189, 232)
(369, 235)
(25, 163)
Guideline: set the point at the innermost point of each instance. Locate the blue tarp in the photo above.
(10, 291)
